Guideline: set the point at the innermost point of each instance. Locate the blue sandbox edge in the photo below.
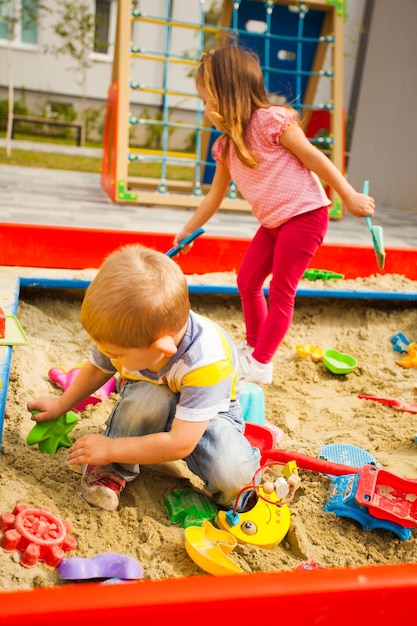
(6, 354)
(67, 283)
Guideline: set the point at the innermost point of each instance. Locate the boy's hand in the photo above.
(45, 408)
(91, 449)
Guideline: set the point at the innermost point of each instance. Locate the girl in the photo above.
(264, 150)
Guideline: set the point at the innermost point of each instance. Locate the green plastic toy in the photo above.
(314, 274)
(189, 507)
(52, 434)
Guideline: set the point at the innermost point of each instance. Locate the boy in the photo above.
(178, 392)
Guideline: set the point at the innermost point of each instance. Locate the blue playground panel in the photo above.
(302, 33)
(286, 51)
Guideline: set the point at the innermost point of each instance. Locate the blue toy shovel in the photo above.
(176, 250)
(377, 234)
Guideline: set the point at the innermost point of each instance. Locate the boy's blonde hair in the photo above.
(233, 79)
(137, 296)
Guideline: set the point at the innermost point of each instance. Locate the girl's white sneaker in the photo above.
(254, 372)
(243, 348)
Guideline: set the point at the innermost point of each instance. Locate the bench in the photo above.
(46, 121)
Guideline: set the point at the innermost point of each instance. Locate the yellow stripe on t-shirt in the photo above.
(208, 375)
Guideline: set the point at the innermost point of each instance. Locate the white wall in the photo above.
(37, 69)
(40, 71)
(352, 32)
(384, 143)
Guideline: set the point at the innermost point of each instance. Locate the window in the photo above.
(101, 35)
(20, 19)
(5, 9)
(29, 31)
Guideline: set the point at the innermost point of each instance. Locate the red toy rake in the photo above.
(388, 496)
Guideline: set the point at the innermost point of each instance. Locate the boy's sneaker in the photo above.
(101, 487)
(247, 501)
(254, 372)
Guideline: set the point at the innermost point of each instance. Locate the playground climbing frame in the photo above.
(294, 40)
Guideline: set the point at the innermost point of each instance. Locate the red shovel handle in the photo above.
(308, 462)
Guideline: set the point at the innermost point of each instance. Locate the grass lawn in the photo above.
(50, 160)
(78, 163)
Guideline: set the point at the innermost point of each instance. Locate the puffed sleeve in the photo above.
(217, 150)
(275, 121)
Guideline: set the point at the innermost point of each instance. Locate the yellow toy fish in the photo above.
(265, 525)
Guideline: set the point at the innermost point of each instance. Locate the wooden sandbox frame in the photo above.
(379, 594)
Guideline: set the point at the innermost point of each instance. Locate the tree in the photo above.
(76, 28)
(25, 13)
(210, 38)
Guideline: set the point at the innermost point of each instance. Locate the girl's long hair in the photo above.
(233, 79)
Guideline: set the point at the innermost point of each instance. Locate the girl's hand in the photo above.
(179, 237)
(46, 407)
(91, 449)
(360, 205)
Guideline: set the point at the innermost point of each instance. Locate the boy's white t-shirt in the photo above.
(203, 371)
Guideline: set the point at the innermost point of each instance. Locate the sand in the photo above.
(311, 405)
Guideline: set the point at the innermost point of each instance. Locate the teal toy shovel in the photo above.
(377, 234)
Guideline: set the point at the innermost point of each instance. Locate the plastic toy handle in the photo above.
(365, 191)
(387, 401)
(410, 407)
(175, 250)
(308, 463)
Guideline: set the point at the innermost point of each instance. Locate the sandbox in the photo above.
(384, 592)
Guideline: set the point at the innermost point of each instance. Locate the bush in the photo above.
(19, 108)
(58, 111)
(94, 122)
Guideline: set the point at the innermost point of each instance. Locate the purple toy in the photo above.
(107, 565)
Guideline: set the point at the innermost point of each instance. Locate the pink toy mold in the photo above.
(64, 379)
